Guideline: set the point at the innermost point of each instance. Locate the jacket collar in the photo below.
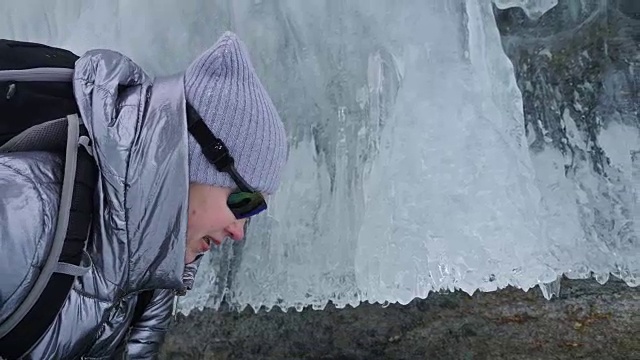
(139, 135)
(158, 190)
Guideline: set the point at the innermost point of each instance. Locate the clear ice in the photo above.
(409, 169)
(533, 8)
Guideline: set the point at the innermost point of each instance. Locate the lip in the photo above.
(205, 246)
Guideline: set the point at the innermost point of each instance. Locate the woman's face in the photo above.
(210, 220)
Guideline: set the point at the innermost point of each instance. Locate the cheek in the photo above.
(203, 222)
(198, 224)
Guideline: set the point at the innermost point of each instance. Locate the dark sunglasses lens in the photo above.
(246, 204)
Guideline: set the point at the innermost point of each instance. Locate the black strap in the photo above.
(43, 313)
(213, 149)
(144, 299)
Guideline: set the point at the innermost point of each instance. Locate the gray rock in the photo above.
(587, 320)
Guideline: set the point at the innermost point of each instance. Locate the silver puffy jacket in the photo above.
(138, 128)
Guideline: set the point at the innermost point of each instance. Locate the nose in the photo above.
(236, 230)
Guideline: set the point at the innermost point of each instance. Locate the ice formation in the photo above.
(409, 168)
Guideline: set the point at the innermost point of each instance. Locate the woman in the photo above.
(183, 162)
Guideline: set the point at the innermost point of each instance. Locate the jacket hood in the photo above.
(139, 136)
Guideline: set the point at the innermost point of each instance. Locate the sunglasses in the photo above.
(244, 202)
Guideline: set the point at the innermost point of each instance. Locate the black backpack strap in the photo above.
(36, 317)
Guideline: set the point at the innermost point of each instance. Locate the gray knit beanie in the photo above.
(222, 86)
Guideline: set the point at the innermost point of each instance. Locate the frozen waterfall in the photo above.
(410, 168)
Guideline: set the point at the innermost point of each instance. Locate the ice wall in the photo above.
(409, 168)
(578, 71)
(533, 8)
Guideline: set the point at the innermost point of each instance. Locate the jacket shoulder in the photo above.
(30, 184)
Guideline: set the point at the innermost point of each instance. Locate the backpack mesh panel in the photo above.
(48, 136)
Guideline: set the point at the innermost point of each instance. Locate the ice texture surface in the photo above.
(578, 71)
(533, 8)
(411, 167)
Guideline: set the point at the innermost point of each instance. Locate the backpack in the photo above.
(36, 89)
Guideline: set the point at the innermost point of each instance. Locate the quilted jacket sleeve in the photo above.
(147, 335)
(30, 185)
